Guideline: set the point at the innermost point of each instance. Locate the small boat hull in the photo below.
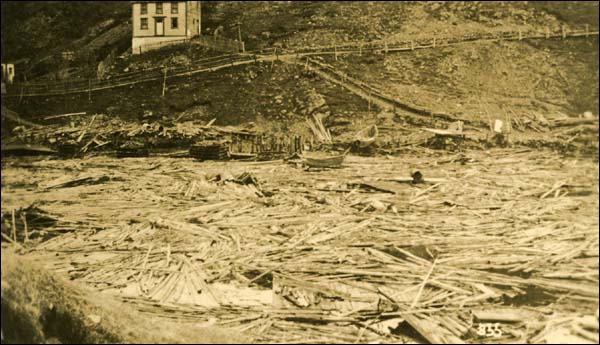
(324, 162)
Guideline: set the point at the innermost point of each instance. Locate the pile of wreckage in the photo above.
(452, 253)
(129, 139)
(205, 141)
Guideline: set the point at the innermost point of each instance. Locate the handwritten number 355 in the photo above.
(489, 330)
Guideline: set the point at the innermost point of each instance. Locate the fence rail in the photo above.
(441, 41)
(77, 85)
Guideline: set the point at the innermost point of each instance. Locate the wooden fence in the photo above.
(79, 86)
(230, 60)
(384, 46)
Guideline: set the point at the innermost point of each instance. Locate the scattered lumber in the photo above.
(289, 255)
(319, 130)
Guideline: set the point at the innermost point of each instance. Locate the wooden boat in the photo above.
(323, 161)
(26, 150)
(367, 136)
(455, 129)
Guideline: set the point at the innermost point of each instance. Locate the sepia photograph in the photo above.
(300, 172)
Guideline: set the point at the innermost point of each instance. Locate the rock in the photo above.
(95, 318)
(588, 115)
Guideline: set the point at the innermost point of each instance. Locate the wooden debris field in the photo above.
(358, 254)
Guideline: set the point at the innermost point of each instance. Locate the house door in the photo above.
(160, 27)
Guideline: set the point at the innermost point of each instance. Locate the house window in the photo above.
(144, 24)
(174, 7)
(144, 8)
(174, 23)
(159, 8)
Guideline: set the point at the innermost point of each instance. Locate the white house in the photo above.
(157, 23)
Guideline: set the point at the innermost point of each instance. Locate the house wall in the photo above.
(141, 45)
(194, 15)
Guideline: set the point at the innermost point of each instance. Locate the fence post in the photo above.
(547, 32)
(587, 30)
(520, 35)
(273, 61)
(385, 47)
(89, 89)
(434, 42)
(360, 49)
(164, 83)
(335, 52)
(564, 32)
(412, 45)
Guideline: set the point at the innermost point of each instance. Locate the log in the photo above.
(502, 315)
(64, 115)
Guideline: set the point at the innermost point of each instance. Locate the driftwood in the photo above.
(339, 251)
